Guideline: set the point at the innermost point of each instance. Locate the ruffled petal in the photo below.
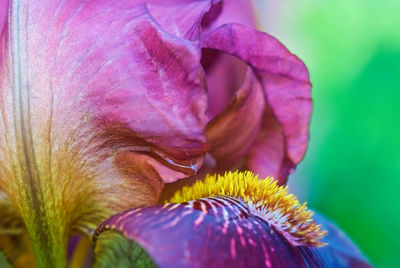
(286, 86)
(267, 155)
(225, 73)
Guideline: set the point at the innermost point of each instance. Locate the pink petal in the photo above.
(3, 32)
(90, 81)
(182, 18)
(232, 132)
(225, 75)
(232, 11)
(286, 85)
(267, 154)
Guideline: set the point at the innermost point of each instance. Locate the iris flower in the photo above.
(103, 103)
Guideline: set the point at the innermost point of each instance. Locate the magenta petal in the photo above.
(87, 82)
(224, 72)
(183, 18)
(3, 33)
(217, 232)
(225, 75)
(267, 155)
(286, 85)
(110, 64)
(229, 11)
(231, 133)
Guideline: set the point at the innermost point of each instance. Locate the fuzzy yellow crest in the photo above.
(265, 199)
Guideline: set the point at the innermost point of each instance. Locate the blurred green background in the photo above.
(351, 172)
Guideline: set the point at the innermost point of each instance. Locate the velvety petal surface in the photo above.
(217, 232)
(99, 76)
(230, 220)
(285, 82)
(99, 106)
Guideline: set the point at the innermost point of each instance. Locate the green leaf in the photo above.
(3, 261)
(112, 249)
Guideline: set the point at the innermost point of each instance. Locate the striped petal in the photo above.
(230, 230)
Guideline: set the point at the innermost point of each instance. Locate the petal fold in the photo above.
(225, 11)
(182, 18)
(232, 132)
(285, 82)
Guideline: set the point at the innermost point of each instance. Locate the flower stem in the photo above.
(49, 243)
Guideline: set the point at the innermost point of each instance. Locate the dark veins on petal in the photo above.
(214, 232)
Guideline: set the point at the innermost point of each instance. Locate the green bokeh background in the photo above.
(351, 172)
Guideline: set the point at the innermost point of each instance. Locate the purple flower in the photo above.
(104, 102)
(263, 121)
(234, 220)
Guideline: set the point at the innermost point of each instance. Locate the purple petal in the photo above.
(188, 18)
(182, 18)
(233, 131)
(286, 86)
(225, 75)
(217, 232)
(3, 33)
(228, 11)
(90, 87)
(267, 155)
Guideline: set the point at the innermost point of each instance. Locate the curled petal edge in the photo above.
(287, 90)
